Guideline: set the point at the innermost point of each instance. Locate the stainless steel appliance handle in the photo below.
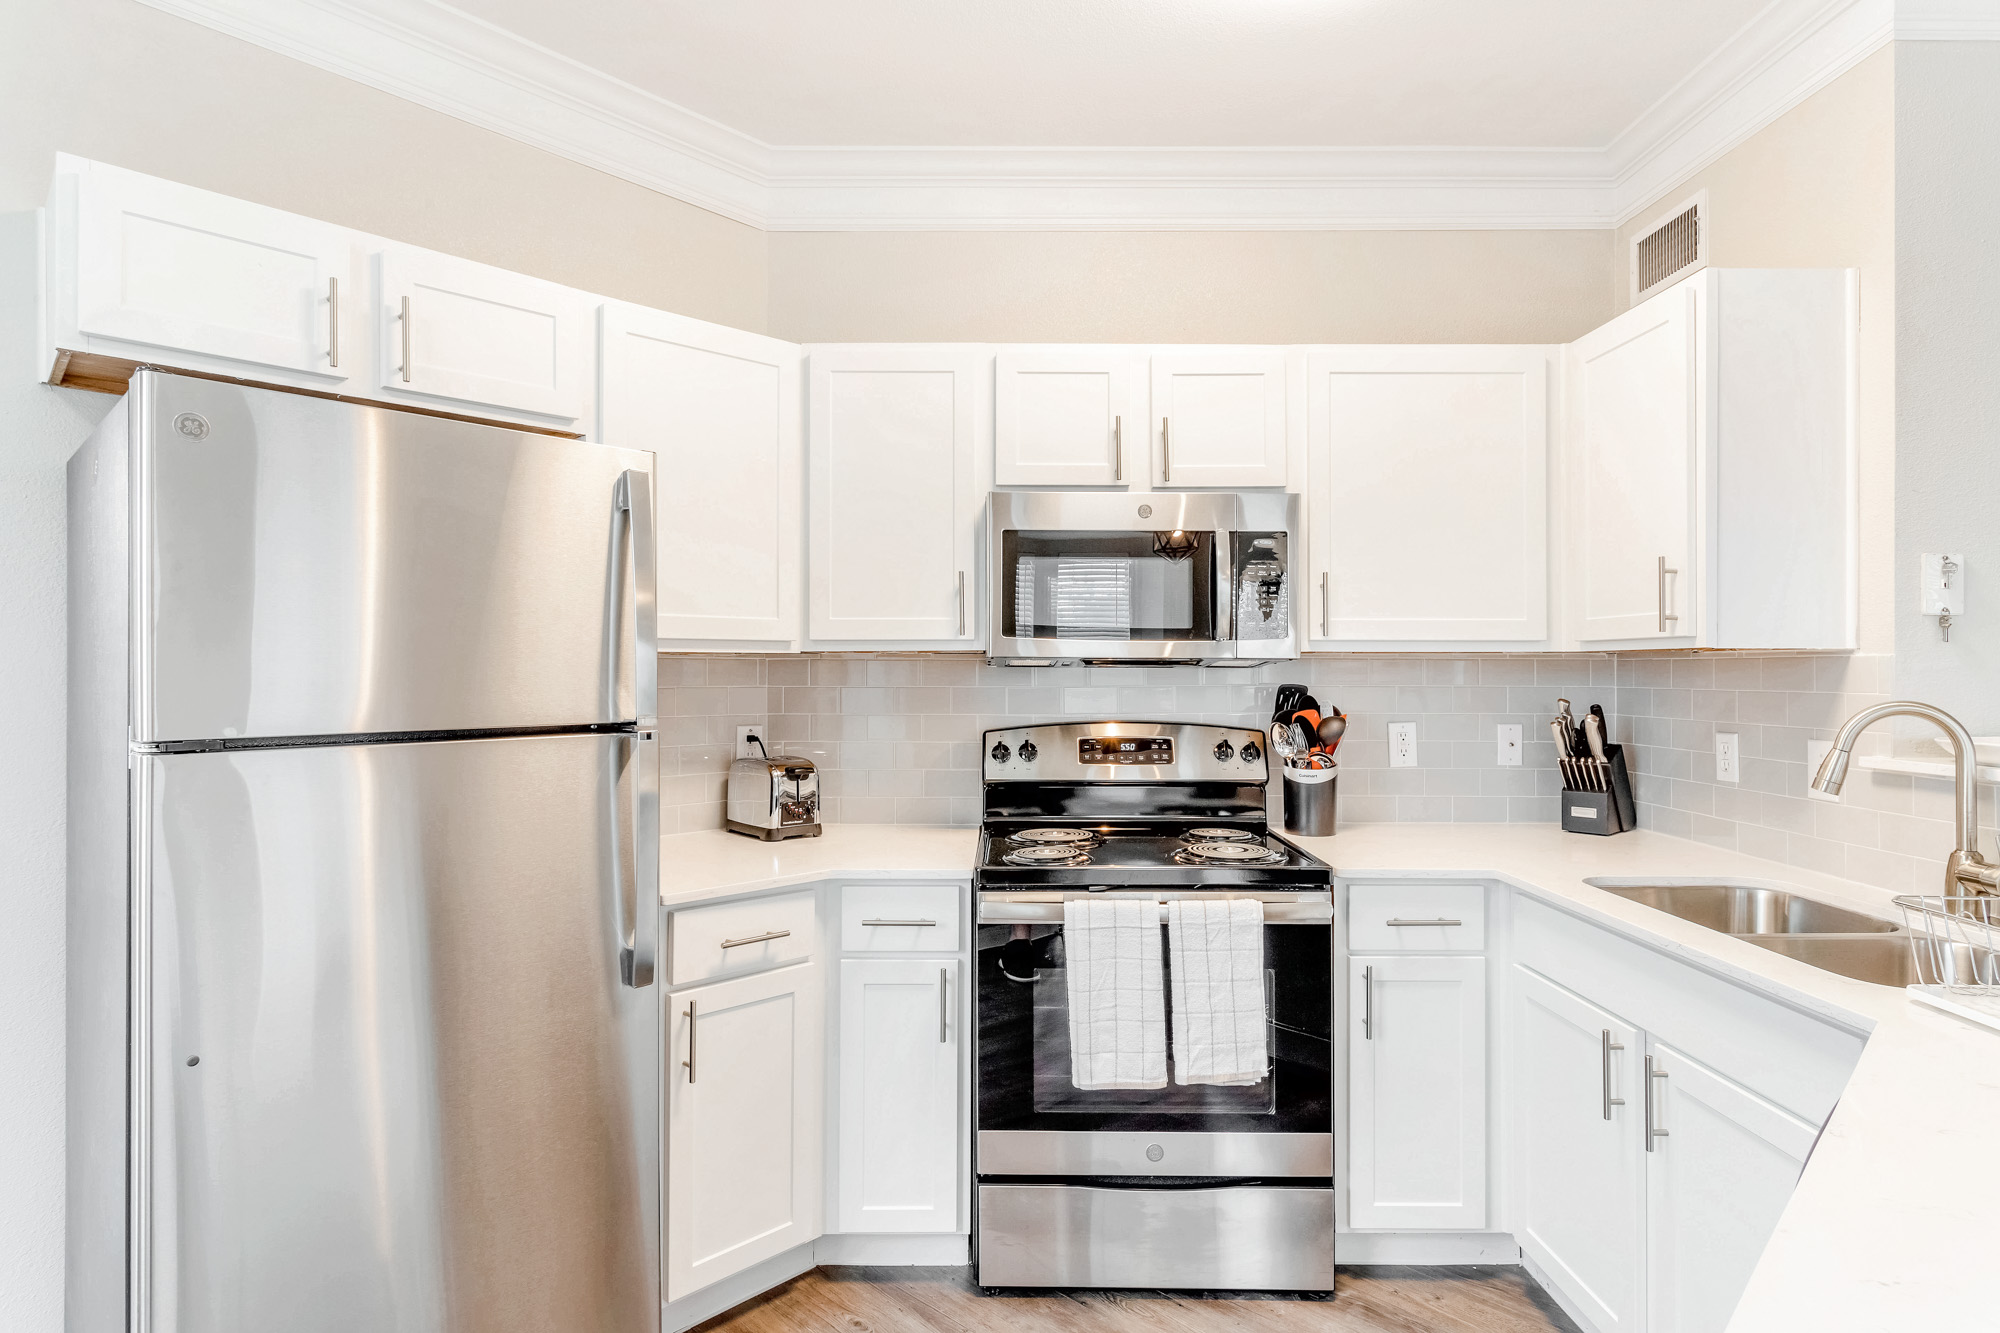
(1029, 906)
(637, 939)
(688, 1064)
(961, 603)
(1118, 448)
(1665, 615)
(406, 340)
(1166, 454)
(756, 939)
(333, 323)
(1652, 1131)
(635, 498)
(873, 922)
(1434, 921)
(944, 1005)
(1368, 1004)
(1606, 1047)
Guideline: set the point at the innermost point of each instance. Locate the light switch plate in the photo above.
(1508, 738)
(1402, 745)
(1726, 752)
(1942, 583)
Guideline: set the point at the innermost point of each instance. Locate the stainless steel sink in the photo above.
(1885, 960)
(1739, 909)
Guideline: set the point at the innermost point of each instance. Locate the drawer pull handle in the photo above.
(1434, 921)
(755, 939)
(873, 922)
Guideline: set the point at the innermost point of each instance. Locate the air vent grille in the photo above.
(1667, 251)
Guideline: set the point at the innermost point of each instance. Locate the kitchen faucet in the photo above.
(1966, 872)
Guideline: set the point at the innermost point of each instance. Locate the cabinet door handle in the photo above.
(688, 1064)
(1434, 921)
(944, 1004)
(1368, 1004)
(755, 939)
(1652, 1130)
(1118, 448)
(406, 340)
(333, 323)
(872, 922)
(1666, 616)
(1325, 603)
(1608, 1046)
(1166, 454)
(961, 603)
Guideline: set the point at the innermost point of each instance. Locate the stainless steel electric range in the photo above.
(1186, 1186)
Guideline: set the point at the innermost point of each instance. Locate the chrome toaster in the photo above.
(773, 797)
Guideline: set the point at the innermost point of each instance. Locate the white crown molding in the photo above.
(434, 55)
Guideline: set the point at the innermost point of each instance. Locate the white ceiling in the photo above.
(1155, 73)
(1119, 114)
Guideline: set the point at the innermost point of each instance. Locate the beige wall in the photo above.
(1199, 286)
(1817, 189)
(119, 82)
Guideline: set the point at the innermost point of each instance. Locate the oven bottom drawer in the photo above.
(1039, 1152)
(1241, 1237)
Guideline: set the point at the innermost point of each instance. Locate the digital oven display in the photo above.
(1125, 750)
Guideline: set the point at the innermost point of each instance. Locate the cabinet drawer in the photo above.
(1418, 918)
(899, 918)
(744, 936)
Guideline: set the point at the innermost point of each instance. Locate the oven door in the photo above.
(1034, 1121)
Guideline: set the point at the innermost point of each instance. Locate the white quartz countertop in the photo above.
(1895, 1224)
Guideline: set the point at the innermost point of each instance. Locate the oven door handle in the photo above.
(1011, 909)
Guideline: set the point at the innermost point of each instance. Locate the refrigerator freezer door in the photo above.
(307, 567)
(397, 1066)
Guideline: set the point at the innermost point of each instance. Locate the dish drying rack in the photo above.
(1955, 941)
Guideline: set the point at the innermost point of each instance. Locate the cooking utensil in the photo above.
(1563, 740)
(1331, 729)
(1282, 742)
(1593, 736)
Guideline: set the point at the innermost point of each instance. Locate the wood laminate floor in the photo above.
(946, 1300)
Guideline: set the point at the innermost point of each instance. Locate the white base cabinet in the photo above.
(901, 1041)
(1416, 1105)
(744, 1090)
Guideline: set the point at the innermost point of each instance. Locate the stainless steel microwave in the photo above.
(1139, 579)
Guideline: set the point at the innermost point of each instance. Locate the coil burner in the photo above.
(1215, 834)
(1058, 854)
(1055, 837)
(1227, 853)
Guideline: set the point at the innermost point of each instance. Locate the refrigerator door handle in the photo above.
(638, 940)
(634, 499)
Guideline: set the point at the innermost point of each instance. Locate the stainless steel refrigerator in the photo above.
(363, 873)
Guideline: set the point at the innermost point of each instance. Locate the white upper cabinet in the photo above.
(1428, 509)
(720, 410)
(1218, 419)
(1710, 480)
(470, 333)
(141, 268)
(1070, 417)
(894, 441)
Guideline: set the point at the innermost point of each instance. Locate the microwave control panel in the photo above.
(1125, 750)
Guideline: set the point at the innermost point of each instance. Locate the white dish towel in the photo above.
(1216, 952)
(1117, 1006)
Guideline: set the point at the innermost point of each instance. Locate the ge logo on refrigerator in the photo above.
(193, 425)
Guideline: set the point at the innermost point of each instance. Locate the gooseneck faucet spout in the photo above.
(1966, 872)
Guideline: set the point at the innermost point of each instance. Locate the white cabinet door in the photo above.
(1429, 470)
(743, 1123)
(720, 410)
(1219, 419)
(1579, 1156)
(1722, 1166)
(1064, 417)
(1416, 1119)
(893, 440)
(1633, 427)
(470, 333)
(900, 1035)
(181, 269)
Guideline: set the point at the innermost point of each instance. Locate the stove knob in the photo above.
(1224, 750)
(1000, 752)
(1251, 754)
(1028, 752)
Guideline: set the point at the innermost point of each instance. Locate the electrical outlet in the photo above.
(1508, 737)
(749, 742)
(1942, 584)
(1725, 756)
(1402, 745)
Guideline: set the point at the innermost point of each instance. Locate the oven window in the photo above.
(1024, 1052)
(1108, 585)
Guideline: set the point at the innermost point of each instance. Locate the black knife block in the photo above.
(1602, 812)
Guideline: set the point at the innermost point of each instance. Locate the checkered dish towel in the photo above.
(1117, 1003)
(1216, 952)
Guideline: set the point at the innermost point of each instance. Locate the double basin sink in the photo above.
(1866, 948)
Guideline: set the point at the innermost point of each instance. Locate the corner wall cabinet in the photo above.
(721, 411)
